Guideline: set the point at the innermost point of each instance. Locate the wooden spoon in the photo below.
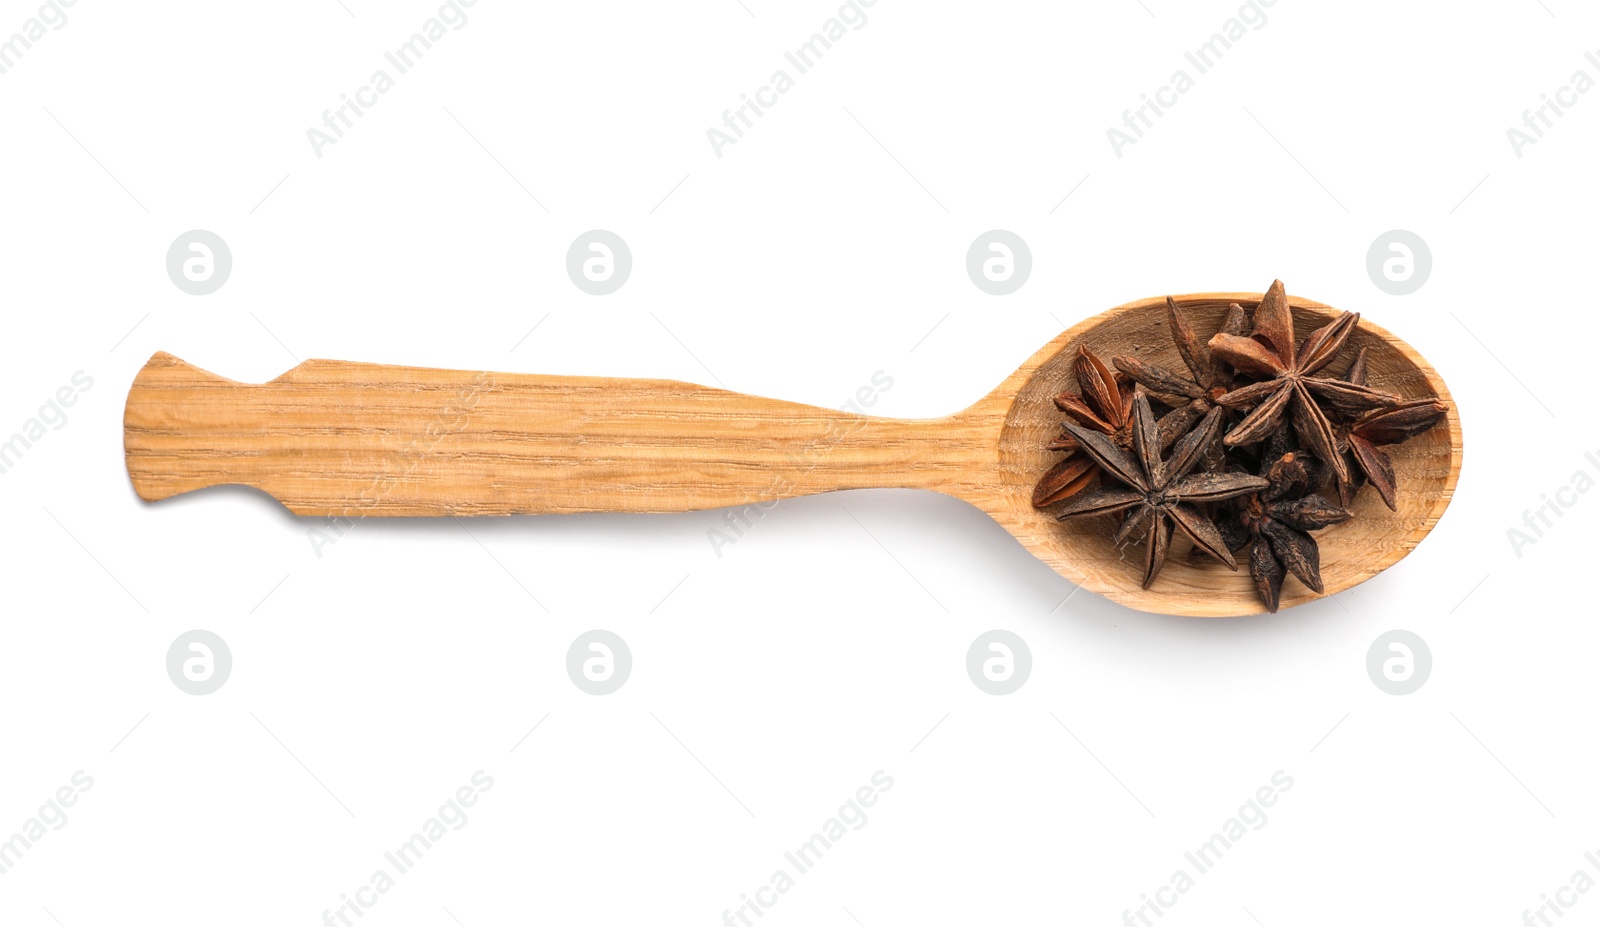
(350, 440)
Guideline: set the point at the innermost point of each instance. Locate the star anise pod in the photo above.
(1278, 521)
(1210, 378)
(1363, 440)
(1157, 494)
(1103, 404)
(1381, 428)
(1291, 388)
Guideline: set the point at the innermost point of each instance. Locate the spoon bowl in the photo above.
(1426, 467)
(349, 441)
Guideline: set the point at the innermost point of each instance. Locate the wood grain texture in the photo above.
(352, 440)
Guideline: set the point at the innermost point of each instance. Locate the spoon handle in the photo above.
(344, 439)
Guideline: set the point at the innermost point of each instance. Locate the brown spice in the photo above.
(1292, 388)
(1256, 434)
(1158, 494)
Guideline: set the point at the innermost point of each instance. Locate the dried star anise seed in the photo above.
(1362, 439)
(1279, 520)
(1210, 377)
(1358, 373)
(1381, 428)
(1159, 494)
(1104, 403)
(1070, 476)
(1291, 388)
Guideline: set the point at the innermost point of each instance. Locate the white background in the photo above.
(771, 682)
